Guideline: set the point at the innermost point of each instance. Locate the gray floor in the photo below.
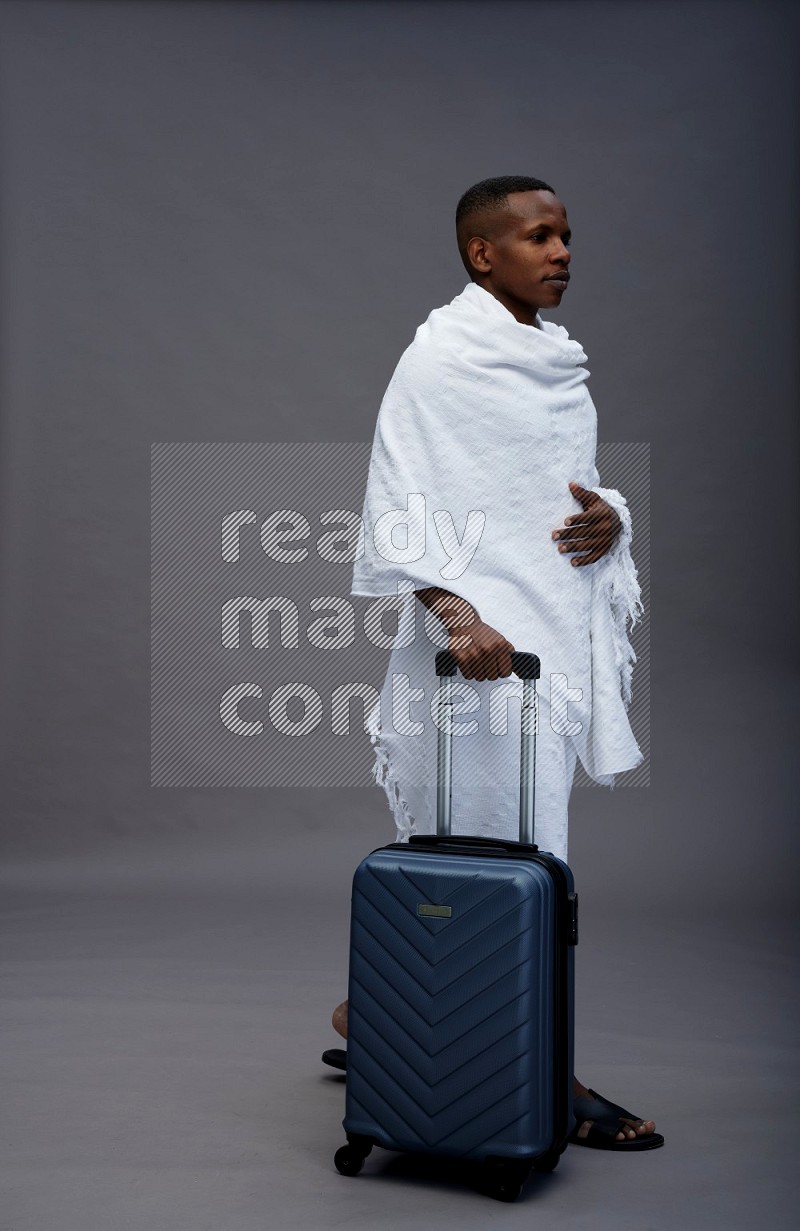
(164, 1014)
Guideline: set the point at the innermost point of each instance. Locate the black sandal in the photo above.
(336, 1057)
(606, 1117)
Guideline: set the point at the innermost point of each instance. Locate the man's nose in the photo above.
(561, 254)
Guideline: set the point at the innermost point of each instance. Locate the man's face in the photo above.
(525, 263)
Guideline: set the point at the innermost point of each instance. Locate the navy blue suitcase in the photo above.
(461, 988)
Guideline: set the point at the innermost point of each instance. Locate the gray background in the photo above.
(223, 222)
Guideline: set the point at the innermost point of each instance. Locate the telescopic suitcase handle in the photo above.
(528, 668)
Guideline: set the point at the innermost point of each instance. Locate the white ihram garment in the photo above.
(487, 415)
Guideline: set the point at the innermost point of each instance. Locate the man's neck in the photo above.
(519, 314)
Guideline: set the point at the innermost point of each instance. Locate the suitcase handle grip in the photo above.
(446, 840)
(526, 666)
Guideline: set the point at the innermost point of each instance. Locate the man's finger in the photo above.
(590, 514)
(583, 494)
(564, 534)
(582, 532)
(591, 558)
(582, 519)
(572, 548)
(595, 537)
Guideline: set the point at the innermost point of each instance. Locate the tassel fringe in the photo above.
(623, 590)
(384, 777)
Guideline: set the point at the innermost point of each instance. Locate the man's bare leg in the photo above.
(339, 1019)
(634, 1128)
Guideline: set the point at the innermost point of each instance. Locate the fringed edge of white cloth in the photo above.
(623, 590)
(384, 777)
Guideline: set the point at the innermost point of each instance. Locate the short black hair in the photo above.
(488, 197)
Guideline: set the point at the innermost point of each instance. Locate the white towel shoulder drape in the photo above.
(483, 425)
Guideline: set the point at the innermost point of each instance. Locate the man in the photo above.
(485, 433)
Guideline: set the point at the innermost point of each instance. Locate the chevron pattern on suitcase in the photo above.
(450, 1019)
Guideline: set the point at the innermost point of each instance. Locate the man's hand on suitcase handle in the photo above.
(482, 653)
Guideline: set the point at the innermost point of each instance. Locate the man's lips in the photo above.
(562, 277)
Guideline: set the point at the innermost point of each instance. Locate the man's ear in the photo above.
(479, 255)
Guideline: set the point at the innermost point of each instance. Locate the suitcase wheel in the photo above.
(504, 1180)
(349, 1159)
(505, 1190)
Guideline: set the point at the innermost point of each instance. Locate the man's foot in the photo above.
(339, 1019)
(606, 1126)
